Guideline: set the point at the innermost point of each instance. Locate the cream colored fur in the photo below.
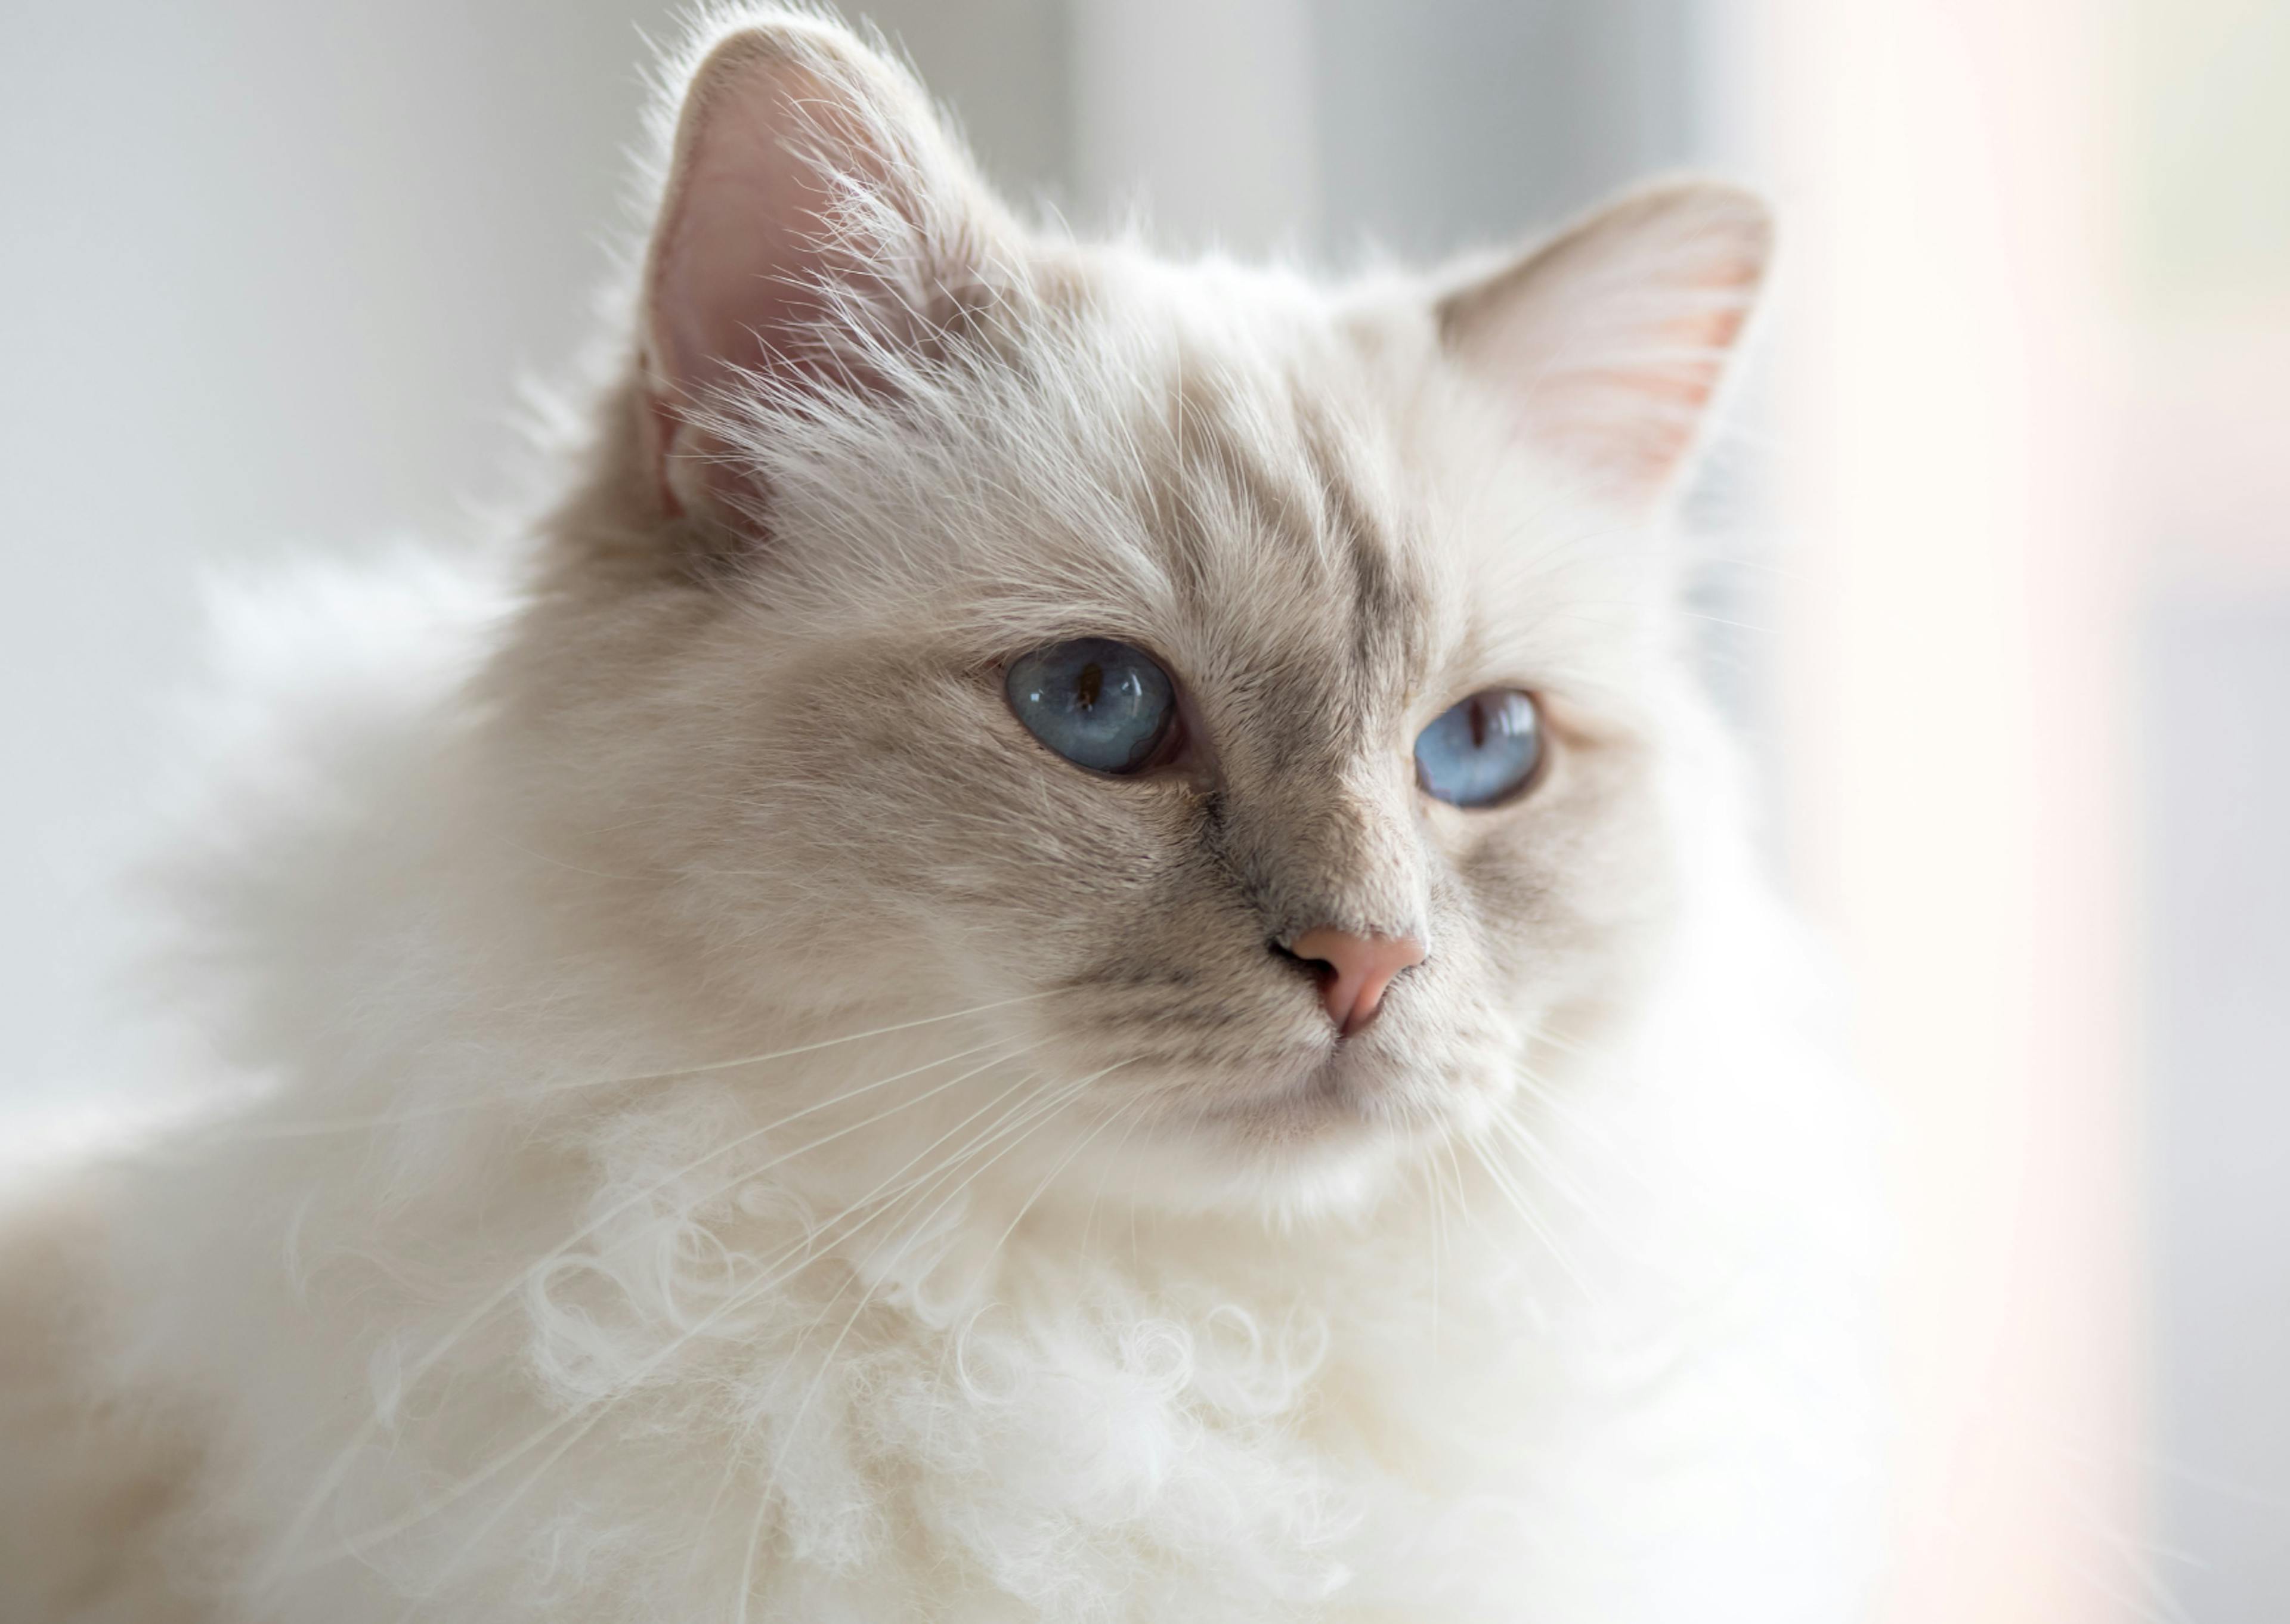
(738, 1131)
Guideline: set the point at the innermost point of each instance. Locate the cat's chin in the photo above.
(1329, 1135)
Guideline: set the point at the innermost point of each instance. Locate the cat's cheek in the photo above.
(1568, 892)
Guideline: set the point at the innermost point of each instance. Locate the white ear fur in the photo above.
(816, 211)
(1609, 340)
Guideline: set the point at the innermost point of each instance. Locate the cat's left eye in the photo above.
(1481, 751)
(1099, 704)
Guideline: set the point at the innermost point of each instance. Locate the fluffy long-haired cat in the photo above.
(1067, 944)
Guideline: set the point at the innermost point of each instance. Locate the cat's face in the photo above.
(971, 620)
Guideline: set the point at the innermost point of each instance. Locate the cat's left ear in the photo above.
(1608, 341)
(820, 226)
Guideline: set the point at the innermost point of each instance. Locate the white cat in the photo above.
(1069, 944)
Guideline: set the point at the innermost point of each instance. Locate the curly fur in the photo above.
(713, 1123)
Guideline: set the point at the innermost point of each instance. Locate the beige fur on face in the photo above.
(956, 441)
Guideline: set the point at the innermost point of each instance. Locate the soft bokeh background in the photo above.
(2000, 587)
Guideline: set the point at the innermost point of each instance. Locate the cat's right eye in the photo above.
(1102, 705)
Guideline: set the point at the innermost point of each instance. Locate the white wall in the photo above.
(272, 271)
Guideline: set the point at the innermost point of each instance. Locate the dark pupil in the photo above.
(1478, 725)
(1089, 684)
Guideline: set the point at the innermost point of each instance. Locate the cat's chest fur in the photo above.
(975, 1412)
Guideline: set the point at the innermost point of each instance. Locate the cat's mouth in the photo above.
(1350, 1088)
(1282, 1086)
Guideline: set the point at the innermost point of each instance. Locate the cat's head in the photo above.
(1260, 693)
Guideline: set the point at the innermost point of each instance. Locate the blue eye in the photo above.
(1101, 705)
(1481, 751)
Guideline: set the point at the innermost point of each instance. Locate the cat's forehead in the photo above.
(1275, 491)
(1323, 500)
(1284, 517)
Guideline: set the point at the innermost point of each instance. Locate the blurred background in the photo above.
(1998, 584)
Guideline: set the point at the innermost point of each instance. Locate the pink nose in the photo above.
(1354, 970)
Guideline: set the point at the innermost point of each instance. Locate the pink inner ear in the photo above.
(1610, 341)
(812, 189)
(741, 243)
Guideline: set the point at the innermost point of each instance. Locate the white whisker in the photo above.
(596, 1410)
(352, 1124)
(1063, 1099)
(1519, 1202)
(330, 1481)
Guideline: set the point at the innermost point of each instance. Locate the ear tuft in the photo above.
(816, 212)
(1609, 340)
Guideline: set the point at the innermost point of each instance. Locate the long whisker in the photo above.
(1435, 1177)
(352, 1124)
(1050, 1177)
(596, 1410)
(600, 1409)
(1136, 1114)
(1541, 1089)
(1065, 1098)
(923, 1180)
(1509, 1189)
(1439, 1244)
(339, 1468)
(1525, 1141)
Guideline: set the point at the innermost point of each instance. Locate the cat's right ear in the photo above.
(819, 222)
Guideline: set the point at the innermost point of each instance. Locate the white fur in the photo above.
(652, 1207)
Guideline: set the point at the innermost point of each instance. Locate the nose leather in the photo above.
(1355, 970)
